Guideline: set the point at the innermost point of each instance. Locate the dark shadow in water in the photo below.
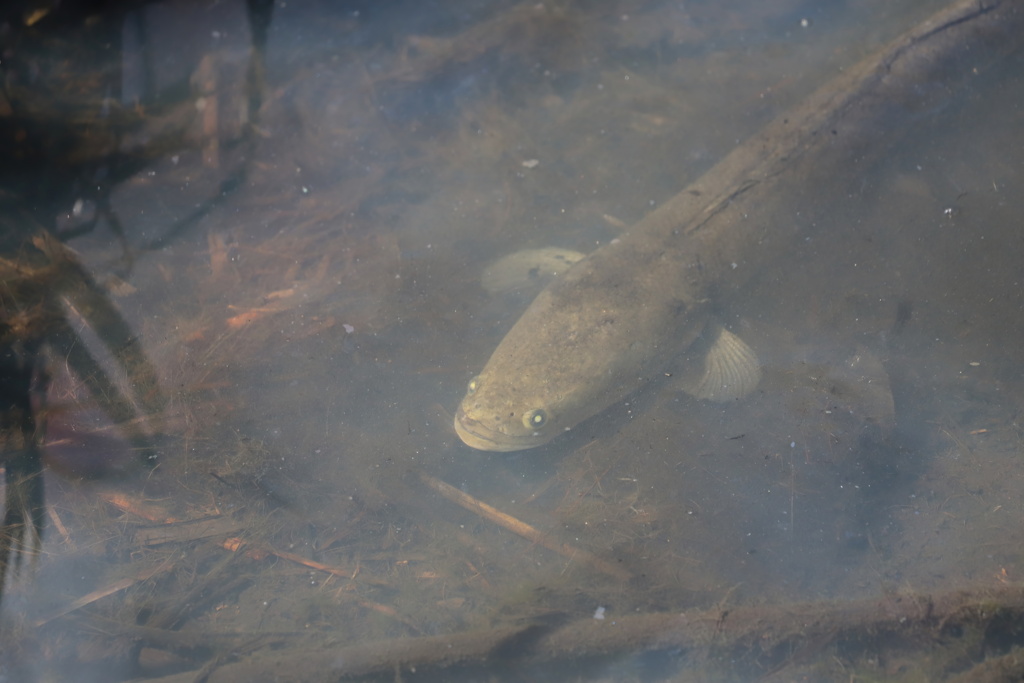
(69, 150)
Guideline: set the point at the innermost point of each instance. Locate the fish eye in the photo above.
(473, 385)
(534, 419)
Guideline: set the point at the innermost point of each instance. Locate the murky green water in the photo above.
(309, 291)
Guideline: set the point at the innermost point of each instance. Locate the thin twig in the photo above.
(523, 529)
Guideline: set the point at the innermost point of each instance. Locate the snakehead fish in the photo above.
(622, 315)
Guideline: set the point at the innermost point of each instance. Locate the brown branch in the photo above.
(752, 641)
(523, 529)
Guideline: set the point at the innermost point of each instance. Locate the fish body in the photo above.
(603, 329)
(619, 317)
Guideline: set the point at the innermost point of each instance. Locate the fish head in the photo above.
(496, 415)
(538, 383)
(513, 406)
(561, 363)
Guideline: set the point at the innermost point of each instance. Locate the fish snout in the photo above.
(472, 432)
(476, 434)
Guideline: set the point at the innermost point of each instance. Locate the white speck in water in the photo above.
(792, 444)
(531, 163)
(734, 265)
(348, 328)
(599, 613)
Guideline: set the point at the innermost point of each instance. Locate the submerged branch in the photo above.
(755, 640)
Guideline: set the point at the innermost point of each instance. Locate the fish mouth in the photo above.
(476, 435)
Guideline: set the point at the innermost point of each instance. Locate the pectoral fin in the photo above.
(729, 368)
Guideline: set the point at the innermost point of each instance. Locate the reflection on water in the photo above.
(301, 258)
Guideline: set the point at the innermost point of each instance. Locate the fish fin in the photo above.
(528, 269)
(731, 370)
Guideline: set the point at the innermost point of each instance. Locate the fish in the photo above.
(629, 311)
